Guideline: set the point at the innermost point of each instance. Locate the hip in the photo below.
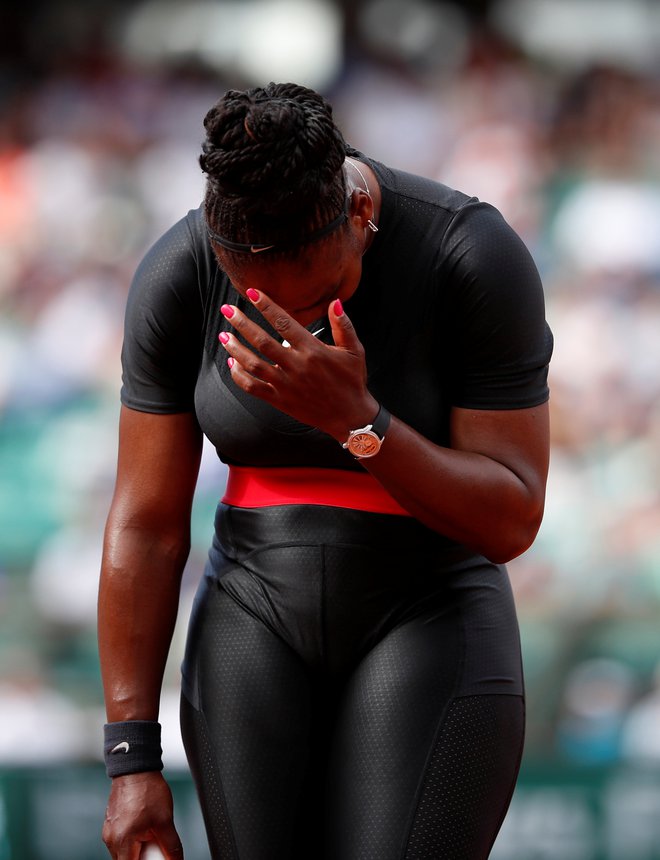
(333, 582)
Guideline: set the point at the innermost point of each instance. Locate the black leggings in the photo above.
(351, 690)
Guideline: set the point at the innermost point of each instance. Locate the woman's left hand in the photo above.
(320, 385)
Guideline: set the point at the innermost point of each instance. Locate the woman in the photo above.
(368, 352)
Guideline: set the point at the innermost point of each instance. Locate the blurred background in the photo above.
(547, 108)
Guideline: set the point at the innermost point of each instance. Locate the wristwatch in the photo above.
(367, 441)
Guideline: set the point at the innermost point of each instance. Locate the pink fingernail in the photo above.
(253, 295)
(338, 308)
(230, 362)
(227, 311)
(223, 337)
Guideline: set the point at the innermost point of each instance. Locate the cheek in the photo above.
(351, 280)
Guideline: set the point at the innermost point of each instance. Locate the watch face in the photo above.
(364, 444)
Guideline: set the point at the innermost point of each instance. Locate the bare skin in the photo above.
(147, 539)
(487, 490)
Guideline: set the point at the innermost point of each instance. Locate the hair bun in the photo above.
(270, 121)
(273, 151)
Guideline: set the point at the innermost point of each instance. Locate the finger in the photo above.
(128, 849)
(250, 384)
(169, 843)
(247, 359)
(286, 327)
(131, 848)
(119, 846)
(254, 334)
(343, 333)
(134, 851)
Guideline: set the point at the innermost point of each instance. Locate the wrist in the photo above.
(366, 441)
(132, 746)
(360, 415)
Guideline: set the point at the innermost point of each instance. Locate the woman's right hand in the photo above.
(140, 810)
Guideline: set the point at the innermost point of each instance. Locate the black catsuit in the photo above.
(352, 684)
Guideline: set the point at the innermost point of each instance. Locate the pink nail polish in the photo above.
(223, 337)
(227, 311)
(253, 295)
(230, 362)
(338, 308)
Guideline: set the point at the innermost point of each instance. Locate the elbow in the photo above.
(514, 537)
(131, 546)
(505, 552)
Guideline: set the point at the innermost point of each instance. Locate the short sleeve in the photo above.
(501, 342)
(163, 327)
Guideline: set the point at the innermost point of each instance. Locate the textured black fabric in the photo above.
(204, 767)
(331, 583)
(474, 334)
(469, 780)
(326, 653)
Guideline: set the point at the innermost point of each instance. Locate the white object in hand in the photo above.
(151, 851)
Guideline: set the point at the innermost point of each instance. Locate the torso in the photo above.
(412, 311)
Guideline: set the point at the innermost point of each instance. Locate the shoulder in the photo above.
(481, 225)
(454, 237)
(462, 214)
(487, 261)
(419, 193)
(442, 222)
(171, 284)
(164, 320)
(176, 279)
(182, 255)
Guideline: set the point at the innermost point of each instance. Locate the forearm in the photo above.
(138, 601)
(467, 496)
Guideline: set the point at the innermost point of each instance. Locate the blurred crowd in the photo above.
(99, 156)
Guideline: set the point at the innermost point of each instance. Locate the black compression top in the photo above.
(473, 334)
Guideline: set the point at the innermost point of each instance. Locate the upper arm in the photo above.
(500, 342)
(159, 438)
(519, 439)
(163, 326)
(503, 347)
(157, 469)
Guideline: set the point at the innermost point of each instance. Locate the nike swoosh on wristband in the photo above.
(124, 746)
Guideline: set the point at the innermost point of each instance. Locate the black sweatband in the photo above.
(132, 746)
(257, 247)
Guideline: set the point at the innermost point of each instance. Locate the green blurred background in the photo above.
(547, 108)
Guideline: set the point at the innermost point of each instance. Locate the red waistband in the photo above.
(251, 487)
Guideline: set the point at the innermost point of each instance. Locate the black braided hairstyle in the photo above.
(273, 157)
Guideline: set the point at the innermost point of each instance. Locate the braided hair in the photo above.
(273, 159)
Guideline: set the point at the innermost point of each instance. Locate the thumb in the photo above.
(343, 333)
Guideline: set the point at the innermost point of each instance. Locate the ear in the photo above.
(361, 209)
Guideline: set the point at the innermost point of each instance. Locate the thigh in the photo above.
(418, 773)
(469, 780)
(246, 713)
